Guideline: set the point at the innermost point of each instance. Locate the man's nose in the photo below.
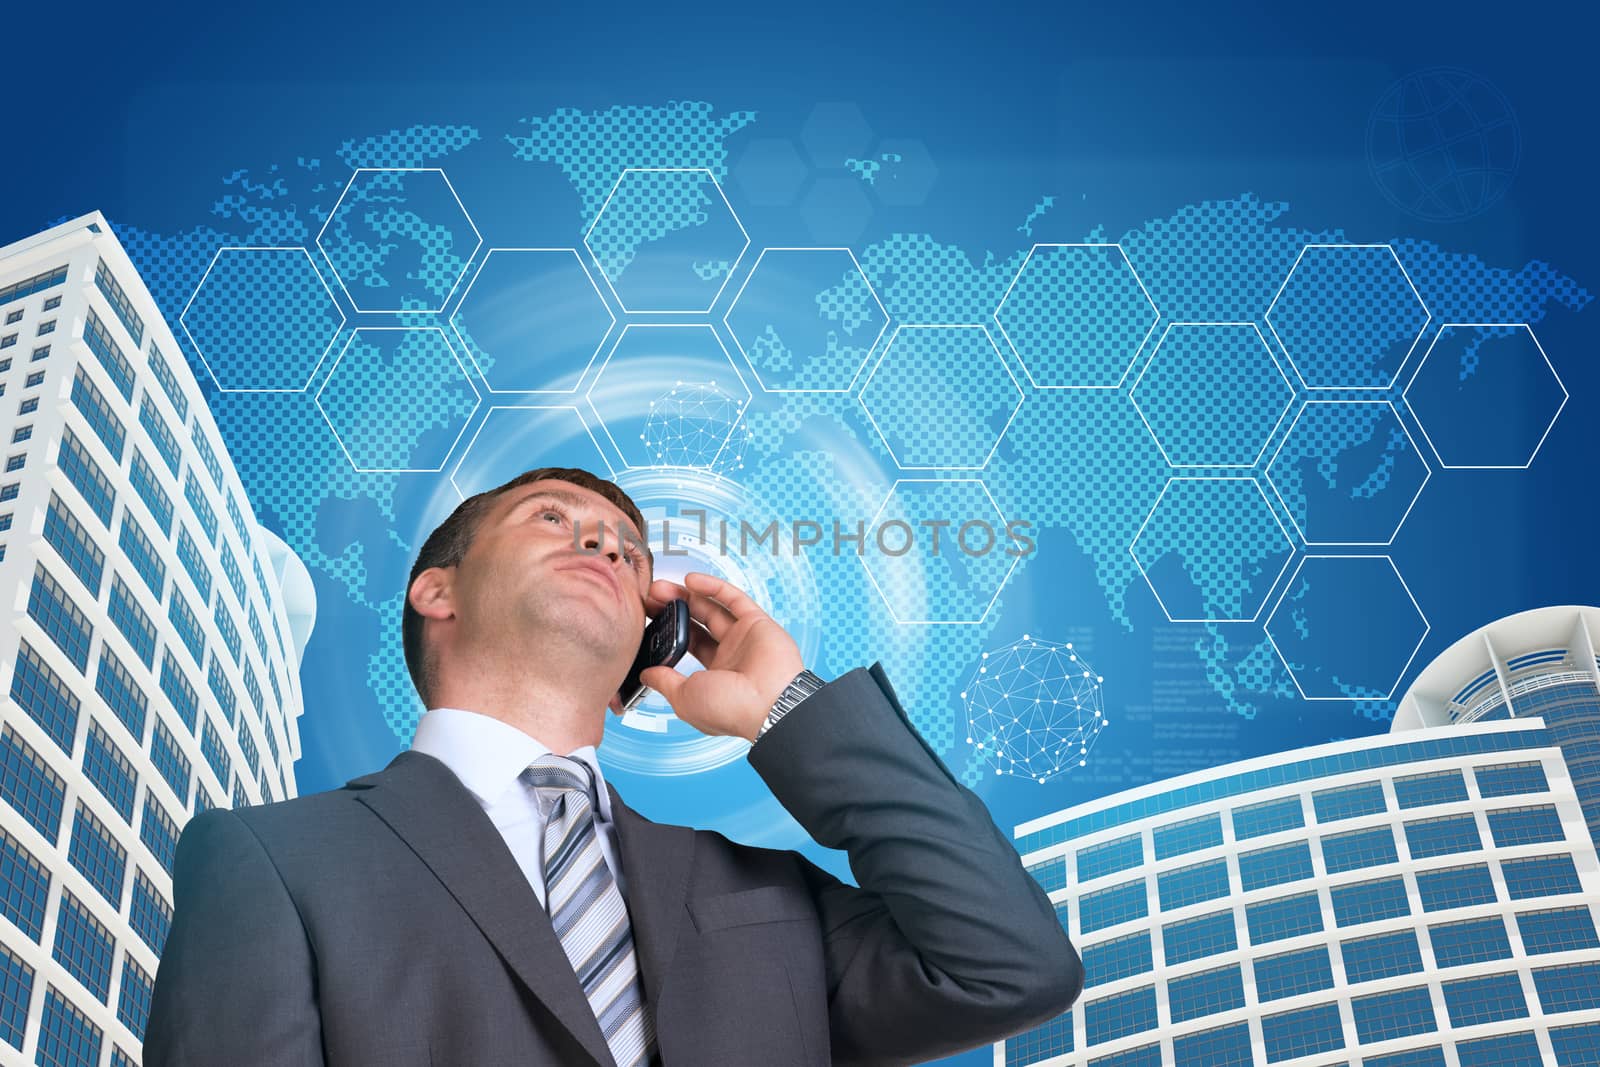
(595, 541)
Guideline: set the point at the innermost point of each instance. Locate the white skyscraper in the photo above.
(150, 662)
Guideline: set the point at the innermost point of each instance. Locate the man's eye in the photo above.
(547, 513)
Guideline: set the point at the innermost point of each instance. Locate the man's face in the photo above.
(524, 577)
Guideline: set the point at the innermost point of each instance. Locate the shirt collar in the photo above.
(488, 755)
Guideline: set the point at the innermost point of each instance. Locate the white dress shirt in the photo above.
(489, 757)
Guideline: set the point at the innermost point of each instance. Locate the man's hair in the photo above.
(449, 542)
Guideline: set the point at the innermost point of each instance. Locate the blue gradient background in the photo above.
(1123, 119)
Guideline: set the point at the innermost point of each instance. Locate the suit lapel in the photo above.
(432, 812)
(655, 859)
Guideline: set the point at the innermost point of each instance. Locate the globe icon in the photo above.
(1443, 144)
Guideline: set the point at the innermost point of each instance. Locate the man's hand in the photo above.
(748, 658)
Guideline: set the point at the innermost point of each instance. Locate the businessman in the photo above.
(488, 899)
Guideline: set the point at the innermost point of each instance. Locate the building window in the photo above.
(24, 887)
(141, 552)
(133, 1005)
(230, 569)
(109, 770)
(1095, 861)
(66, 1036)
(74, 544)
(1284, 917)
(1205, 935)
(217, 682)
(208, 456)
(236, 516)
(1355, 849)
(1539, 876)
(1444, 836)
(121, 306)
(142, 477)
(38, 283)
(1435, 787)
(29, 785)
(1575, 987)
(16, 462)
(1348, 802)
(169, 383)
(149, 914)
(216, 755)
(33, 379)
(132, 620)
(1367, 959)
(159, 832)
(1221, 1046)
(193, 562)
(51, 607)
(13, 317)
(1392, 1014)
(1289, 974)
(47, 699)
(1455, 887)
(9, 492)
(1301, 1033)
(98, 338)
(1507, 779)
(97, 412)
(1491, 998)
(160, 435)
(1531, 825)
(230, 631)
(42, 352)
(1108, 907)
(1469, 941)
(28, 406)
(1183, 886)
(1557, 930)
(1190, 835)
(1206, 993)
(51, 303)
(1275, 866)
(121, 693)
(170, 761)
(8, 340)
(196, 496)
(84, 946)
(1121, 1014)
(1118, 958)
(5, 522)
(86, 476)
(97, 856)
(187, 625)
(174, 683)
(46, 327)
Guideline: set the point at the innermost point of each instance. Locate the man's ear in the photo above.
(431, 593)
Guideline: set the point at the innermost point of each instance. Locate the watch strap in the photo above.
(803, 685)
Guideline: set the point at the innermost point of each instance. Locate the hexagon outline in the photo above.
(1565, 396)
(732, 267)
(464, 261)
(1427, 627)
(757, 266)
(861, 393)
(1421, 331)
(476, 404)
(1134, 358)
(343, 321)
(466, 292)
(938, 622)
(589, 398)
(1293, 551)
(465, 452)
(1427, 473)
(1288, 405)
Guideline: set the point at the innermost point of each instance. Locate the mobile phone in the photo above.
(666, 641)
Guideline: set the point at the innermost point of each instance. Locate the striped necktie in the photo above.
(587, 910)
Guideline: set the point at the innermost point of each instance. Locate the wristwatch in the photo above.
(804, 684)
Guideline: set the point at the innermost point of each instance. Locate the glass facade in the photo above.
(120, 670)
(1380, 897)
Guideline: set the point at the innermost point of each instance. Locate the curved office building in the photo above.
(1420, 899)
(1536, 663)
(150, 663)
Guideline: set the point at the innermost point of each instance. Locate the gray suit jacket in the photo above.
(387, 923)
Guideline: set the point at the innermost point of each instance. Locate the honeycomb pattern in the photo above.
(1212, 394)
(938, 551)
(1033, 708)
(1348, 472)
(532, 320)
(1076, 316)
(398, 240)
(806, 318)
(1211, 550)
(512, 439)
(668, 394)
(1346, 627)
(666, 240)
(1485, 395)
(397, 400)
(1348, 316)
(949, 377)
(769, 173)
(262, 319)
